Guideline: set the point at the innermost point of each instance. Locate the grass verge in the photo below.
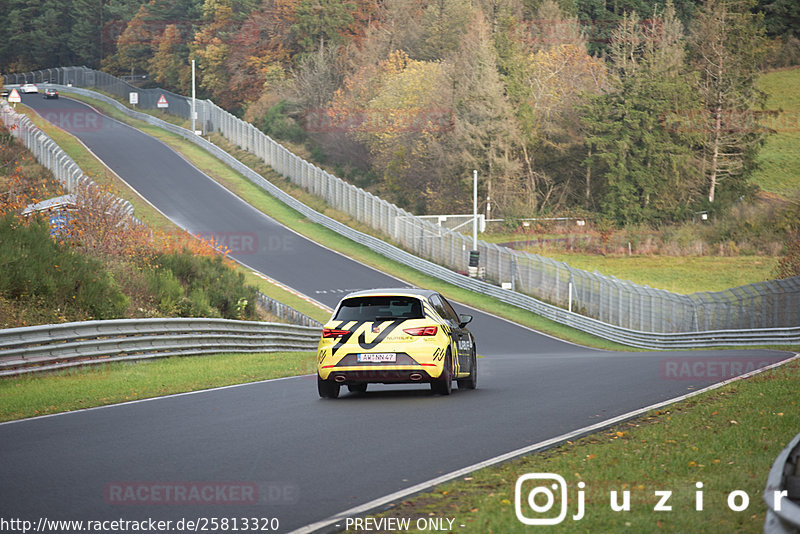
(101, 384)
(257, 197)
(726, 439)
(679, 274)
(779, 158)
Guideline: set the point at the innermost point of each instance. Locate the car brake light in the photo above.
(421, 331)
(334, 332)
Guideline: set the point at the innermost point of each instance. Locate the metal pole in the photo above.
(194, 108)
(569, 305)
(474, 210)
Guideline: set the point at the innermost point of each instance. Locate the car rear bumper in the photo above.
(404, 369)
(347, 376)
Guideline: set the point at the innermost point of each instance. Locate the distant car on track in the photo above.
(395, 336)
(50, 93)
(29, 88)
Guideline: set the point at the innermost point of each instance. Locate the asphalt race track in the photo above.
(275, 449)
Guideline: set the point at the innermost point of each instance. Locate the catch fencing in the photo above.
(764, 305)
(70, 176)
(51, 156)
(46, 347)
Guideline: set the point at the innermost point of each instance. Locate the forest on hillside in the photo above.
(634, 110)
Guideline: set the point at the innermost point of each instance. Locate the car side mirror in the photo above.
(465, 320)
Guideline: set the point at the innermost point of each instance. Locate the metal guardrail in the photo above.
(626, 336)
(783, 512)
(286, 312)
(46, 347)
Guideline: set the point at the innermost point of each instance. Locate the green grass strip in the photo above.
(101, 384)
(727, 439)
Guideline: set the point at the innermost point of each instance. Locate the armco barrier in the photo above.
(783, 510)
(285, 312)
(635, 338)
(45, 347)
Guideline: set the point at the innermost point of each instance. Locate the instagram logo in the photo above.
(540, 499)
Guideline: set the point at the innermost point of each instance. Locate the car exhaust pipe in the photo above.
(339, 378)
(415, 377)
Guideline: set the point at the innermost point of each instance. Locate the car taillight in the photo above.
(421, 331)
(334, 332)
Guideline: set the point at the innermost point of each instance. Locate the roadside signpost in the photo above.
(162, 102)
(14, 97)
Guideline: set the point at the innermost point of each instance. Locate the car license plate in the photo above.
(377, 357)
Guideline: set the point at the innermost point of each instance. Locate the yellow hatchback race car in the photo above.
(395, 336)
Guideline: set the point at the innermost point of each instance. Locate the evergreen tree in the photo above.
(645, 169)
(485, 135)
(85, 39)
(321, 23)
(443, 25)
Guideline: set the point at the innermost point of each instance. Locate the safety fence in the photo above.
(51, 156)
(55, 346)
(764, 305)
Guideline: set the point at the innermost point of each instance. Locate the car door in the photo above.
(460, 336)
(464, 341)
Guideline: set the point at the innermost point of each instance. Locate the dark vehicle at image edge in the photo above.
(395, 336)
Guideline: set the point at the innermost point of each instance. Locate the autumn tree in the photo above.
(135, 45)
(547, 74)
(169, 65)
(399, 119)
(727, 47)
(261, 49)
(211, 48)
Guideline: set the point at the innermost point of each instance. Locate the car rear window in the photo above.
(379, 308)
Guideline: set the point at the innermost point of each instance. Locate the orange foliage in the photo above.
(99, 225)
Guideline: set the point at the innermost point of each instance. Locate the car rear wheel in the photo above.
(470, 382)
(327, 388)
(444, 386)
(357, 388)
